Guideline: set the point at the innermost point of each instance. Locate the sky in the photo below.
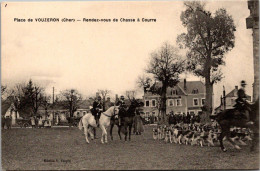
(91, 56)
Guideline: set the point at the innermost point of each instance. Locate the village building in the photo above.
(228, 101)
(185, 97)
(252, 22)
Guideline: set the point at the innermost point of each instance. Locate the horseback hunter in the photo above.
(122, 107)
(241, 104)
(97, 109)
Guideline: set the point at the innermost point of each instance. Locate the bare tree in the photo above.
(104, 94)
(208, 38)
(166, 65)
(144, 82)
(3, 91)
(46, 102)
(71, 99)
(130, 94)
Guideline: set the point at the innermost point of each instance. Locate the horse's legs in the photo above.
(90, 133)
(111, 130)
(86, 132)
(119, 132)
(130, 129)
(125, 127)
(104, 134)
(254, 141)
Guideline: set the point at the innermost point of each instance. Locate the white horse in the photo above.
(104, 122)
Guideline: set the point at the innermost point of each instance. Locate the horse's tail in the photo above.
(80, 124)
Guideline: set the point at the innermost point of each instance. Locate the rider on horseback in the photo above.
(122, 108)
(97, 109)
(241, 104)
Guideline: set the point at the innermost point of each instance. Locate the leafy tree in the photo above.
(209, 36)
(166, 65)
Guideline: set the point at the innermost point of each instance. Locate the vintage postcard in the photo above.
(130, 85)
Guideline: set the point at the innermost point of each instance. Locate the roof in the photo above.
(5, 105)
(190, 86)
(233, 93)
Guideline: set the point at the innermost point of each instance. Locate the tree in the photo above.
(144, 82)
(33, 96)
(104, 94)
(27, 98)
(208, 38)
(166, 65)
(3, 91)
(46, 102)
(72, 99)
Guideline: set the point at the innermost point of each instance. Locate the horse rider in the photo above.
(122, 106)
(97, 109)
(241, 104)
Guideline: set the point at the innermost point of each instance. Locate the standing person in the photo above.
(40, 122)
(122, 109)
(33, 121)
(138, 124)
(3, 122)
(171, 118)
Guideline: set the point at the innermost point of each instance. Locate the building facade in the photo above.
(186, 97)
(252, 22)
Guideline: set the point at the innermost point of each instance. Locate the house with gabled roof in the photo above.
(232, 96)
(8, 110)
(185, 97)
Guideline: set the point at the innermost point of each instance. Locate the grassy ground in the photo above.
(65, 148)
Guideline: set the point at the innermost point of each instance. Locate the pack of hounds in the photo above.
(198, 134)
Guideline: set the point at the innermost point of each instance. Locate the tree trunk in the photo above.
(209, 92)
(163, 106)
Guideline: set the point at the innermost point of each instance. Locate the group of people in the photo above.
(98, 108)
(183, 118)
(40, 122)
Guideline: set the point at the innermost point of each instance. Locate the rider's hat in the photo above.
(99, 97)
(122, 97)
(243, 82)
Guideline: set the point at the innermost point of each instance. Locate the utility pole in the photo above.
(224, 97)
(53, 96)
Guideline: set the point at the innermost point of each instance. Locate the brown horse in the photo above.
(228, 118)
(127, 120)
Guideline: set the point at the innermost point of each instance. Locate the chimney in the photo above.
(236, 87)
(116, 97)
(185, 86)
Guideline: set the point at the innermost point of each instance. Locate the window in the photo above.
(171, 103)
(147, 103)
(191, 112)
(178, 102)
(195, 91)
(199, 112)
(196, 102)
(173, 92)
(153, 103)
(203, 101)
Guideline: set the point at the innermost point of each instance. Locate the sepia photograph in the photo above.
(130, 85)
